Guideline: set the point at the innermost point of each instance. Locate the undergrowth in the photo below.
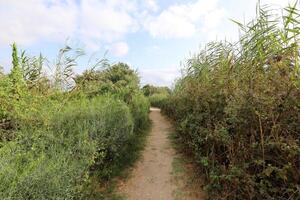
(237, 108)
(108, 189)
(63, 136)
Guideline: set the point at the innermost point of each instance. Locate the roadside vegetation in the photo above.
(237, 108)
(156, 95)
(62, 135)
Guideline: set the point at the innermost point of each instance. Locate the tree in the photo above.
(150, 90)
(118, 77)
(121, 75)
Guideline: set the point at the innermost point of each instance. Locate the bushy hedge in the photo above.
(158, 100)
(237, 107)
(59, 134)
(140, 107)
(157, 95)
(87, 136)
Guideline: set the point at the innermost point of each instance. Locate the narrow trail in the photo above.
(153, 177)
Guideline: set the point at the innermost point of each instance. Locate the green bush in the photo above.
(150, 90)
(158, 100)
(140, 107)
(55, 163)
(237, 108)
(44, 167)
(108, 122)
(57, 138)
(157, 96)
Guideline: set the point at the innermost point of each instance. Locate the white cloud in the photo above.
(105, 20)
(213, 19)
(152, 5)
(161, 77)
(119, 49)
(153, 49)
(184, 20)
(202, 17)
(170, 25)
(28, 21)
(280, 3)
(104, 24)
(93, 22)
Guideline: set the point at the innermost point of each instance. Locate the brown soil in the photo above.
(153, 177)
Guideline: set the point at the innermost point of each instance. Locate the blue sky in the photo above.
(153, 36)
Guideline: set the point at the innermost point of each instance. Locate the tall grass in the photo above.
(66, 141)
(156, 95)
(237, 106)
(86, 137)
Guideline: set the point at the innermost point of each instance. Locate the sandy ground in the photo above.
(153, 176)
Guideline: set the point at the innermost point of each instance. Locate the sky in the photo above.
(152, 36)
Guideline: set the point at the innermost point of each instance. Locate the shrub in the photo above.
(108, 122)
(158, 100)
(237, 107)
(113, 79)
(56, 138)
(54, 163)
(139, 107)
(44, 167)
(150, 90)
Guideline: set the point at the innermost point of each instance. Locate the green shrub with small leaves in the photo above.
(157, 96)
(87, 136)
(158, 100)
(57, 135)
(140, 107)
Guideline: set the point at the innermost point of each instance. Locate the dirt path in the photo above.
(153, 177)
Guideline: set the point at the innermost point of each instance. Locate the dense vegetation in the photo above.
(156, 95)
(237, 108)
(59, 132)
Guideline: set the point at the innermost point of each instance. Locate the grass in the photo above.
(178, 172)
(236, 106)
(122, 170)
(183, 170)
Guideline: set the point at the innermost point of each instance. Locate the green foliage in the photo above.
(108, 122)
(57, 136)
(63, 67)
(16, 76)
(150, 90)
(115, 79)
(54, 163)
(158, 100)
(237, 107)
(157, 96)
(15, 58)
(32, 68)
(13, 98)
(42, 171)
(121, 75)
(140, 107)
